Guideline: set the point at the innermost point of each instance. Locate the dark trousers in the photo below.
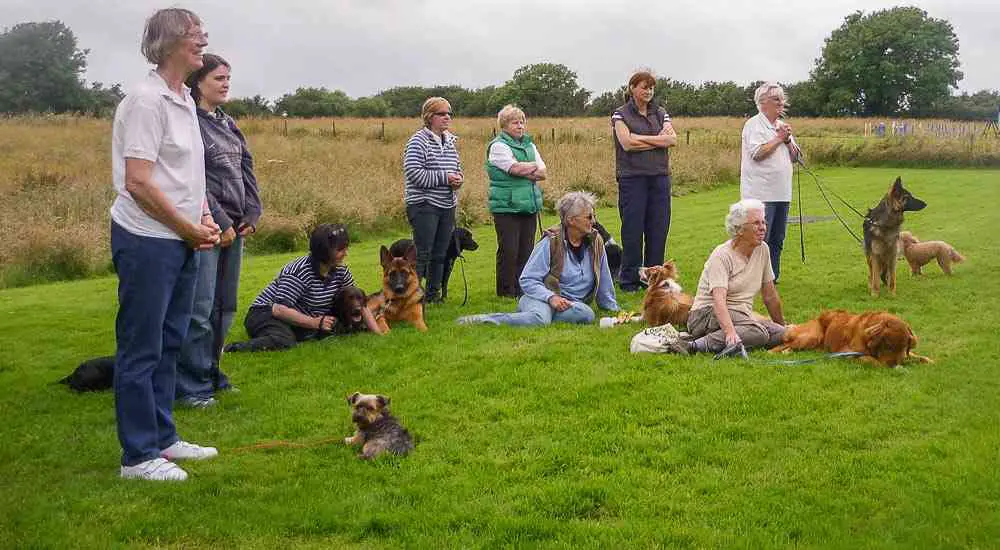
(515, 241)
(156, 281)
(432, 229)
(644, 206)
(776, 216)
(268, 333)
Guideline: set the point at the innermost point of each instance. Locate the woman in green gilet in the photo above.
(514, 168)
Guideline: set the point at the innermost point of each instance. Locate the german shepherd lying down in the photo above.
(918, 253)
(401, 298)
(664, 302)
(881, 230)
(883, 338)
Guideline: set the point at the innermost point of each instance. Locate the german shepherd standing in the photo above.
(881, 230)
(401, 298)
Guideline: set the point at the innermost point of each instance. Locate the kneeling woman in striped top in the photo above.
(297, 305)
(433, 175)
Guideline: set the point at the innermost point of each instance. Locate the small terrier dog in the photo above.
(919, 253)
(377, 430)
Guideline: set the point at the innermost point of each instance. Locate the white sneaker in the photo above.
(157, 469)
(182, 450)
(481, 318)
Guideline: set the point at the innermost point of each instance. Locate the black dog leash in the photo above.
(823, 192)
(802, 223)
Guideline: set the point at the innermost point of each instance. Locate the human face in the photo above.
(642, 93)
(754, 228)
(583, 221)
(214, 87)
(339, 256)
(189, 51)
(441, 119)
(773, 105)
(515, 128)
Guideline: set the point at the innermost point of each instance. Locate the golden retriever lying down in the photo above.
(883, 338)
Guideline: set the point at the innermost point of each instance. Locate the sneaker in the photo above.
(157, 469)
(479, 319)
(182, 450)
(196, 402)
(236, 347)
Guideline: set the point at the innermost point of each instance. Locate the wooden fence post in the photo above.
(687, 137)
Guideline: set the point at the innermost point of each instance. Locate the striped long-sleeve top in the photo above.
(300, 287)
(427, 161)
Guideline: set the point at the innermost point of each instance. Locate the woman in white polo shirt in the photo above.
(159, 219)
(768, 151)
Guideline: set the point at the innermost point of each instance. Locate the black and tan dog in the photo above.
(377, 430)
(881, 230)
(461, 239)
(401, 298)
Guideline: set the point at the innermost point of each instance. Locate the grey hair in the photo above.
(764, 91)
(572, 203)
(509, 114)
(164, 30)
(738, 213)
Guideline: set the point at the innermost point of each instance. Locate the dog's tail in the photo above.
(955, 256)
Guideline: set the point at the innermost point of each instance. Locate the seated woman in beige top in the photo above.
(722, 314)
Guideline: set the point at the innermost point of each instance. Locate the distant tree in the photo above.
(605, 104)
(978, 106)
(370, 107)
(101, 101)
(545, 89)
(888, 63)
(41, 68)
(314, 102)
(242, 107)
(482, 102)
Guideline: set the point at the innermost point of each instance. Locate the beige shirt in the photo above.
(155, 124)
(741, 277)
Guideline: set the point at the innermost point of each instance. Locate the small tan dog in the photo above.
(919, 253)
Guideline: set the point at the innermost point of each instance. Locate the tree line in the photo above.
(897, 62)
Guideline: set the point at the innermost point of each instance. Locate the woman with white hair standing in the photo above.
(433, 174)
(514, 168)
(722, 313)
(159, 220)
(567, 269)
(767, 153)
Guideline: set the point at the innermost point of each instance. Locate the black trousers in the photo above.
(644, 206)
(515, 241)
(270, 333)
(432, 229)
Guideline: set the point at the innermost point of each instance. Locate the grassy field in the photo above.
(553, 437)
(55, 175)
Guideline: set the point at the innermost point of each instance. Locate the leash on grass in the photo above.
(282, 444)
(738, 350)
(823, 191)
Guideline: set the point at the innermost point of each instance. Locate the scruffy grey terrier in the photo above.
(377, 430)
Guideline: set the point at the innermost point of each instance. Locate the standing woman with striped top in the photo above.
(433, 175)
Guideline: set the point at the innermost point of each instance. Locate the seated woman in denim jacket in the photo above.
(566, 270)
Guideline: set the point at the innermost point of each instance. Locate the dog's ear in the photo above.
(913, 340)
(353, 398)
(385, 257)
(411, 254)
(383, 401)
(874, 335)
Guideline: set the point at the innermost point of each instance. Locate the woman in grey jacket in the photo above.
(234, 199)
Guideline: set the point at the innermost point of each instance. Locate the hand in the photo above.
(246, 229)
(455, 179)
(732, 339)
(228, 236)
(785, 132)
(202, 236)
(559, 303)
(324, 323)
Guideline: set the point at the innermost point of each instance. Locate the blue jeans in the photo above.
(432, 229)
(776, 216)
(198, 372)
(644, 207)
(535, 313)
(156, 280)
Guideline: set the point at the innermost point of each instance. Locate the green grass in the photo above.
(553, 437)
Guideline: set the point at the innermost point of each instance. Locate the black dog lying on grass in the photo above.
(461, 239)
(612, 249)
(96, 374)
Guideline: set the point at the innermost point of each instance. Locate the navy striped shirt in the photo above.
(426, 163)
(300, 287)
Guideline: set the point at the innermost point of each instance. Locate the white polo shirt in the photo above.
(769, 179)
(155, 124)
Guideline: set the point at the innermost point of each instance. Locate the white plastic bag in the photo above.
(655, 339)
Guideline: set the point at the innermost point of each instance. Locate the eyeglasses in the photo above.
(443, 113)
(760, 223)
(197, 36)
(590, 217)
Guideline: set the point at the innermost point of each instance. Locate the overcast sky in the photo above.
(363, 46)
